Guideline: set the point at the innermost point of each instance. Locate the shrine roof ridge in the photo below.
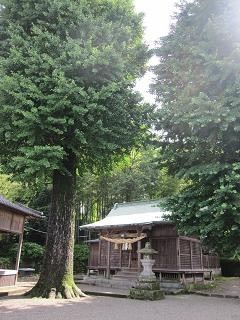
(136, 203)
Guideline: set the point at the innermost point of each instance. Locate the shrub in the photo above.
(81, 252)
(5, 263)
(31, 255)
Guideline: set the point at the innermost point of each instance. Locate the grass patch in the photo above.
(202, 286)
(209, 285)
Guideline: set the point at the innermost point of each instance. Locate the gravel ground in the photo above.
(185, 307)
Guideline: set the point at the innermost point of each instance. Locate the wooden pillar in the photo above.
(120, 256)
(129, 258)
(89, 260)
(183, 278)
(139, 255)
(201, 255)
(18, 254)
(191, 258)
(108, 259)
(194, 278)
(99, 252)
(178, 253)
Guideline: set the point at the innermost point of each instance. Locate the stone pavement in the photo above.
(20, 288)
(182, 307)
(225, 288)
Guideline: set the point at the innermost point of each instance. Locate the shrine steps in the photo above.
(126, 274)
(108, 283)
(126, 282)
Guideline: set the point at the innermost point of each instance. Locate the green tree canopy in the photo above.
(198, 83)
(67, 72)
(136, 176)
(8, 188)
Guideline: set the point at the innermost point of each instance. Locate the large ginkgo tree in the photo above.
(67, 73)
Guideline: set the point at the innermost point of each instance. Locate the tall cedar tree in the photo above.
(198, 83)
(67, 70)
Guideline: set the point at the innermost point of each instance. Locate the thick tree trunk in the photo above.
(56, 279)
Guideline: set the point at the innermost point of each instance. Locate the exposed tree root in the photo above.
(66, 292)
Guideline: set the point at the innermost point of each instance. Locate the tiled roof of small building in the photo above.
(20, 208)
(131, 213)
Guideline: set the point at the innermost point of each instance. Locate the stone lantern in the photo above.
(147, 262)
(147, 286)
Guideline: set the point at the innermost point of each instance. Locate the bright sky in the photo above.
(157, 20)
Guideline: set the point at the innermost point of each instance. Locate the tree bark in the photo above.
(56, 278)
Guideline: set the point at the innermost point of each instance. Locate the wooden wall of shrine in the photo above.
(174, 252)
(11, 221)
(12, 218)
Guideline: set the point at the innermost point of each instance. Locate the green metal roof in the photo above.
(131, 213)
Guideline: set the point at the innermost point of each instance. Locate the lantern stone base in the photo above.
(146, 290)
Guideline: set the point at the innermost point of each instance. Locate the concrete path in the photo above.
(185, 307)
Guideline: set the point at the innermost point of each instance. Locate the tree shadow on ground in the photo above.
(21, 307)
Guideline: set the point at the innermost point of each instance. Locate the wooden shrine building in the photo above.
(12, 218)
(126, 229)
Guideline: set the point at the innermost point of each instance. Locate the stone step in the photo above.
(125, 276)
(108, 283)
(172, 291)
(130, 269)
(171, 285)
(126, 279)
(127, 283)
(128, 274)
(119, 284)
